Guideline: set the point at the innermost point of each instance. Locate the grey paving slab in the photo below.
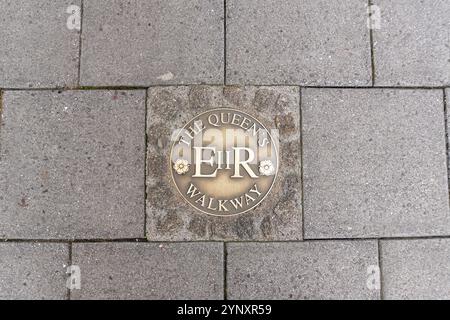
(416, 269)
(412, 46)
(72, 164)
(302, 270)
(144, 42)
(374, 163)
(149, 270)
(33, 271)
(37, 49)
(308, 42)
(170, 218)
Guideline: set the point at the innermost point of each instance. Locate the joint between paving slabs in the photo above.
(69, 264)
(447, 154)
(380, 266)
(301, 163)
(1, 114)
(80, 40)
(109, 88)
(145, 165)
(145, 240)
(134, 87)
(372, 51)
(93, 240)
(1, 104)
(224, 42)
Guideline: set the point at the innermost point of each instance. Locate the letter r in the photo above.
(238, 162)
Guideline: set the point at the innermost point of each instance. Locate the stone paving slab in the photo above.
(72, 164)
(416, 269)
(412, 46)
(302, 270)
(37, 49)
(309, 42)
(374, 163)
(143, 42)
(33, 271)
(170, 218)
(149, 270)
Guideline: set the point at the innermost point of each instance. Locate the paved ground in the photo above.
(360, 209)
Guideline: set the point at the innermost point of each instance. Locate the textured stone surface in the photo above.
(143, 42)
(33, 270)
(37, 49)
(149, 271)
(416, 269)
(412, 48)
(308, 42)
(308, 270)
(72, 164)
(170, 217)
(374, 163)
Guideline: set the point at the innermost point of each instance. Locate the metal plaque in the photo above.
(224, 162)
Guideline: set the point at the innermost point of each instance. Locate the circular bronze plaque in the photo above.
(224, 162)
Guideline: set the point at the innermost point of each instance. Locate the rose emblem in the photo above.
(181, 166)
(266, 168)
